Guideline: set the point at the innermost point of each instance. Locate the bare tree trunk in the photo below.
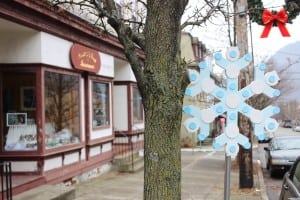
(162, 100)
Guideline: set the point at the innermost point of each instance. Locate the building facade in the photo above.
(67, 95)
(193, 52)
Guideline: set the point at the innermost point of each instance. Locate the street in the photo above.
(273, 185)
(203, 171)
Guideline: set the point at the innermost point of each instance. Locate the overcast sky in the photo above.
(215, 39)
(215, 36)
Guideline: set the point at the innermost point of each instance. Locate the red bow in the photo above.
(268, 19)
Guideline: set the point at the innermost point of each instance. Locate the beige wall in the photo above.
(187, 52)
(201, 100)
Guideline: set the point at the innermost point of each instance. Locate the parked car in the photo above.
(287, 125)
(291, 183)
(296, 128)
(281, 153)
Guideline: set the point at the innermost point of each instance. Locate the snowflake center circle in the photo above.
(233, 101)
(207, 115)
(232, 131)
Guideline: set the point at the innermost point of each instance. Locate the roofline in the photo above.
(41, 16)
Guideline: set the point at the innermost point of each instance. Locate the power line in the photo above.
(290, 79)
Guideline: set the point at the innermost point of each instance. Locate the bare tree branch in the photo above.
(104, 12)
(200, 15)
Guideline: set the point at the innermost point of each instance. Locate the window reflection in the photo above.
(100, 104)
(61, 109)
(137, 106)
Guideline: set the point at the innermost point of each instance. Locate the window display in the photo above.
(13, 119)
(61, 109)
(27, 98)
(21, 138)
(100, 103)
(19, 128)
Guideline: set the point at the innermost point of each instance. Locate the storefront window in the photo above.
(100, 104)
(61, 109)
(19, 111)
(137, 106)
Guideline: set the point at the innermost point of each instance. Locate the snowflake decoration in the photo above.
(231, 101)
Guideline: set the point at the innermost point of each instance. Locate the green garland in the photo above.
(256, 7)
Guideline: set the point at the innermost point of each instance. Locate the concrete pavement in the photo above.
(202, 178)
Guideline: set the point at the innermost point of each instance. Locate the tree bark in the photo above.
(162, 95)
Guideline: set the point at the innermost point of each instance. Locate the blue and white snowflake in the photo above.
(231, 101)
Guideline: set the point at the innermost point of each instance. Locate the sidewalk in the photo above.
(200, 180)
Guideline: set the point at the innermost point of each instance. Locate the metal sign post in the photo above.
(231, 102)
(227, 177)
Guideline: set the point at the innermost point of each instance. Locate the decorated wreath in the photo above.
(269, 18)
(256, 8)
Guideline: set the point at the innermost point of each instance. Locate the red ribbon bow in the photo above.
(268, 19)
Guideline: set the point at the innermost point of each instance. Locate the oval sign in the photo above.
(84, 58)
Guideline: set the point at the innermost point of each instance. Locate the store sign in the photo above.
(84, 58)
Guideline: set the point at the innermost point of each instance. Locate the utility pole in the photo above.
(241, 31)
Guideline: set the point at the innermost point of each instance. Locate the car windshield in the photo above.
(287, 143)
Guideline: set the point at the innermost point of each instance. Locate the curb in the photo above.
(261, 182)
(205, 148)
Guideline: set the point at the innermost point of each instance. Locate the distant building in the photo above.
(193, 51)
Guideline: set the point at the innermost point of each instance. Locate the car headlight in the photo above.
(275, 161)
